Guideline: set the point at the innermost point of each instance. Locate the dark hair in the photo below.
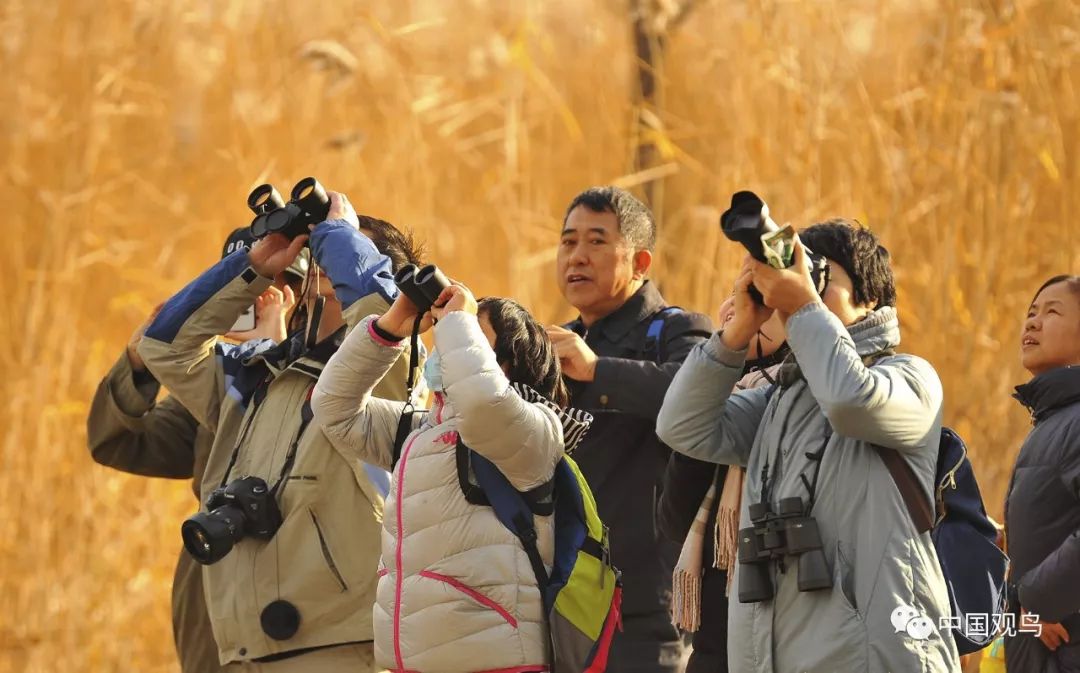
(399, 246)
(636, 222)
(1072, 281)
(522, 347)
(860, 253)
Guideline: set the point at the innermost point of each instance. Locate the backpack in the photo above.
(964, 538)
(582, 595)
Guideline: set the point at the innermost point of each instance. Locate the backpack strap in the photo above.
(512, 509)
(922, 514)
(653, 342)
(539, 500)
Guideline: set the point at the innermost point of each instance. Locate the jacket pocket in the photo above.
(473, 594)
(844, 580)
(327, 556)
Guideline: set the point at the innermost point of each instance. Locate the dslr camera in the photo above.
(788, 532)
(747, 221)
(244, 508)
(308, 204)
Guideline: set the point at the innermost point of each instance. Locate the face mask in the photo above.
(433, 372)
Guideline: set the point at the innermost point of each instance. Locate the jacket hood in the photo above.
(1050, 390)
(878, 332)
(575, 422)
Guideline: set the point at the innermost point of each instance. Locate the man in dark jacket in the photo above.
(1042, 510)
(619, 357)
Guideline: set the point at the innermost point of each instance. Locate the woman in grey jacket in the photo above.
(1042, 510)
(812, 438)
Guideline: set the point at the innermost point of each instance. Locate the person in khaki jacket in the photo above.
(457, 593)
(127, 431)
(301, 599)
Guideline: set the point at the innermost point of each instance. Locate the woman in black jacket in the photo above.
(1042, 510)
(686, 488)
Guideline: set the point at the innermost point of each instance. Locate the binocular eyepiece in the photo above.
(308, 204)
(748, 223)
(422, 286)
(788, 532)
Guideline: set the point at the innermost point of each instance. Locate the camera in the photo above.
(422, 286)
(244, 508)
(747, 221)
(308, 204)
(788, 532)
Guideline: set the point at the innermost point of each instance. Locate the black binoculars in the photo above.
(422, 286)
(747, 221)
(788, 532)
(308, 204)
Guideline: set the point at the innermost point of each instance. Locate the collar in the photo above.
(290, 354)
(641, 306)
(1049, 391)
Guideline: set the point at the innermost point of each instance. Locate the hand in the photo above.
(401, 317)
(1053, 635)
(786, 290)
(456, 297)
(340, 209)
(274, 253)
(577, 360)
(137, 363)
(271, 308)
(749, 315)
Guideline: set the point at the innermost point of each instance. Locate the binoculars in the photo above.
(308, 204)
(747, 222)
(422, 286)
(788, 532)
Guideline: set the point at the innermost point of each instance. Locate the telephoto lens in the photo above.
(745, 222)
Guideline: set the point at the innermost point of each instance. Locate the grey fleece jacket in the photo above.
(877, 559)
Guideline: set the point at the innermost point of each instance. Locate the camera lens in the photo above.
(209, 536)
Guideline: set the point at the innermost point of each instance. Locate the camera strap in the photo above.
(306, 414)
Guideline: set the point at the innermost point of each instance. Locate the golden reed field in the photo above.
(132, 130)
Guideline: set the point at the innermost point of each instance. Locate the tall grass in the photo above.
(131, 131)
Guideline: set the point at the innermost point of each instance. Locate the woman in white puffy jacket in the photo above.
(456, 591)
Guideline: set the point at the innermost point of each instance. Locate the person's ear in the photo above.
(642, 261)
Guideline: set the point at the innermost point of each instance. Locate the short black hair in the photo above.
(860, 253)
(400, 246)
(1072, 281)
(522, 346)
(636, 222)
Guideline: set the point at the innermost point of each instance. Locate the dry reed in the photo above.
(131, 130)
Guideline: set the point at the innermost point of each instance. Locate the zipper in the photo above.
(326, 553)
(948, 481)
(398, 557)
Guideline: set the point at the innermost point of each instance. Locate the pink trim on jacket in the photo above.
(536, 668)
(473, 594)
(378, 339)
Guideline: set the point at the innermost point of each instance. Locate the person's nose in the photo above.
(578, 256)
(1033, 324)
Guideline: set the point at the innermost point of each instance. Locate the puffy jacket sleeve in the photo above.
(895, 404)
(702, 417)
(637, 386)
(1052, 588)
(356, 422)
(180, 347)
(523, 439)
(128, 431)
